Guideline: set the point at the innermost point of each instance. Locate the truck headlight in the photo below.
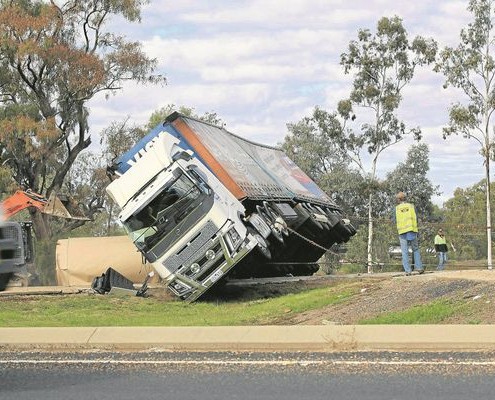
(210, 255)
(233, 238)
(195, 268)
(179, 288)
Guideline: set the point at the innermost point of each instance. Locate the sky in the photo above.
(260, 64)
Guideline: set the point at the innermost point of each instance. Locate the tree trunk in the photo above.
(488, 212)
(370, 234)
(40, 226)
(109, 219)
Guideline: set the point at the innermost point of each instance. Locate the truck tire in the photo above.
(307, 212)
(4, 280)
(263, 246)
(314, 210)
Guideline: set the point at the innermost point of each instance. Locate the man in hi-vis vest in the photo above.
(407, 226)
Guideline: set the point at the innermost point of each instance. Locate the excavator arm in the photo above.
(23, 199)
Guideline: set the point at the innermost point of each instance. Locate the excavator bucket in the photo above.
(58, 206)
(63, 207)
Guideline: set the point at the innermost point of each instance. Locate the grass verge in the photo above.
(96, 310)
(431, 313)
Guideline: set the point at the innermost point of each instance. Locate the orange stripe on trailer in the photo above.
(208, 158)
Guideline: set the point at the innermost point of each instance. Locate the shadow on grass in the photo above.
(231, 292)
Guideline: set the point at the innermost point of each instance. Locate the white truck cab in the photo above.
(181, 218)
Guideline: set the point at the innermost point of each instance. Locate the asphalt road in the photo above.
(298, 376)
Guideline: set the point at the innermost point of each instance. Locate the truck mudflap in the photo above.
(191, 282)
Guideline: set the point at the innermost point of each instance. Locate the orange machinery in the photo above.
(55, 206)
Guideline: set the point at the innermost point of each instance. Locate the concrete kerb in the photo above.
(256, 338)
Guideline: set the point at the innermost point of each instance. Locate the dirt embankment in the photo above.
(475, 290)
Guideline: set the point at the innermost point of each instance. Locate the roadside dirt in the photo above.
(377, 295)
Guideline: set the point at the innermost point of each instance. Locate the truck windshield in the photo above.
(164, 212)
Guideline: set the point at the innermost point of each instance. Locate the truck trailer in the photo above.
(201, 203)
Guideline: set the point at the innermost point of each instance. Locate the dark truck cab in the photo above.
(7, 254)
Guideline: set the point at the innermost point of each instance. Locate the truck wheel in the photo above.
(262, 246)
(310, 219)
(315, 210)
(274, 215)
(4, 280)
(268, 219)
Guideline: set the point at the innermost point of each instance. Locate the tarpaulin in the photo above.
(80, 260)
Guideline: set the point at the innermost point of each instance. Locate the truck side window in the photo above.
(200, 181)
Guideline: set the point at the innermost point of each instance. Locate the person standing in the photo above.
(407, 227)
(441, 249)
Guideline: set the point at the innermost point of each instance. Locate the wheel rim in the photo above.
(268, 219)
(269, 209)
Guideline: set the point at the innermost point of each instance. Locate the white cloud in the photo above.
(263, 63)
(275, 13)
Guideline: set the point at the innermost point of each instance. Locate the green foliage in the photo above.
(348, 189)
(468, 252)
(465, 214)
(117, 138)
(411, 177)
(6, 184)
(384, 237)
(470, 67)
(312, 143)
(55, 57)
(383, 63)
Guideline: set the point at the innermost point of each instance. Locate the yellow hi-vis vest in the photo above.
(440, 240)
(405, 216)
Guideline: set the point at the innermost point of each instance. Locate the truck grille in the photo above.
(198, 245)
(13, 232)
(6, 254)
(206, 266)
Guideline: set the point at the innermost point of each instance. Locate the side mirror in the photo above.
(185, 155)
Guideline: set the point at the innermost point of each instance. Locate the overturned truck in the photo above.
(201, 204)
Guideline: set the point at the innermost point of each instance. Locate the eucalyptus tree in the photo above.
(470, 67)
(411, 177)
(314, 143)
(462, 215)
(54, 58)
(383, 63)
(160, 114)
(310, 143)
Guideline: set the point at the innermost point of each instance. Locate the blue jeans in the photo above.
(406, 240)
(442, 259)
